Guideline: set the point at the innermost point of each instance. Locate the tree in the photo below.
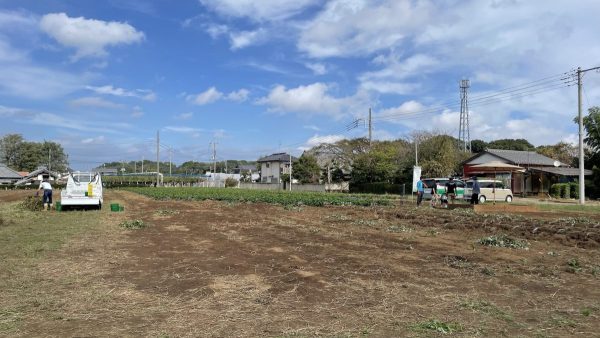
(439, 156)
(562, 151)
(55, 153)
(31, 156)
(591, 124)
(306, 169)
(478, 146)
(10, 149)
(511, 144)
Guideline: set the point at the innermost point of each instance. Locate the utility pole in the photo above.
(580, 73)
(49, 159)
(214, 158)
(157, 158)
(463, 131)
(370, 127)
(416, 151)
(170, 159)
(142, 164)
(290, 172)
(135, 167)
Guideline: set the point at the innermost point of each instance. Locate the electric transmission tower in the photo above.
(464, 136)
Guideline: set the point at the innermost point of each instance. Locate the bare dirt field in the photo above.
(216, 269)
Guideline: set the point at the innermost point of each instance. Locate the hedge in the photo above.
(565, 190)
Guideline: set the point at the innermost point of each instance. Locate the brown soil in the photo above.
(244, 270)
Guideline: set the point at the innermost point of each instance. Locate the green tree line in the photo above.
(22, 155)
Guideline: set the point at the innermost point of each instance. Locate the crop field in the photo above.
(276, 197)
(232, 263)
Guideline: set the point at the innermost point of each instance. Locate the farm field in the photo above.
(198, 267)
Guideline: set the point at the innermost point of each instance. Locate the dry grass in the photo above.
(248, 270)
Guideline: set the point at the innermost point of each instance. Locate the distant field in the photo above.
(267, 196)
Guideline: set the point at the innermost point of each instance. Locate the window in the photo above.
(268, 164)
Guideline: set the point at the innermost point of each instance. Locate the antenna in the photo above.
(463, 131)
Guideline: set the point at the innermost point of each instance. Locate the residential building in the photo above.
(275, 165)
(539, 173)
(7, 175)
(36, 176)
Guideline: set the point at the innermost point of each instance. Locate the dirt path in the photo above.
(238, 270)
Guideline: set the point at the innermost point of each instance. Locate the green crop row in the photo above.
(265, 196)
(148, 179)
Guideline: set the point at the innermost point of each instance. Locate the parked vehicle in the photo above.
(83, 189)
(440, 186)
(487, 191)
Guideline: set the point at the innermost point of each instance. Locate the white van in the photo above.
(487, 191)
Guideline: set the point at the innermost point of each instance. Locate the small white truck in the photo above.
(84, 189)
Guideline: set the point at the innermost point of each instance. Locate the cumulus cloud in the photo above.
(264, 10)
(137, 112)
(208, 96)
(144, 94)
(313, 98)
(90, 37)
(243, 39)
(212, 95)
(239, 96)
(96, 102)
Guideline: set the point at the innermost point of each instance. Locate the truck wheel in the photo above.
(508, 199)
(481, 199)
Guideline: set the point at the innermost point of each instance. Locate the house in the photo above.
(36, 176)
(539, 174)
(106, 171)
(7, 175)
(275, 165)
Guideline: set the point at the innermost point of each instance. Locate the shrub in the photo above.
(231, 182)
(565, 190)
(555, 190)
(574, 188)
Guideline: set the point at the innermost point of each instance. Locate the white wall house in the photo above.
(273, 166)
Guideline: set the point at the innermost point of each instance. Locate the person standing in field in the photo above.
(47, 189)
(476, 191)
(434, 195)
(420, 190)
(451, 190)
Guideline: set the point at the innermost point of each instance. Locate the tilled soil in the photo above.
(243, 270)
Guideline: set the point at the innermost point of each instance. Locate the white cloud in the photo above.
(317, 68)
(216, 30)
(388, 87)
(144, 94)
(60, 122)
(313, 98)
(362, 27)
(94, 140)
(311, 127)
(212, 95)
(263, 10)
(30, 81)
(239, 96)
(96, 102)
(243, 39)
(185, 130)
(206, 97)
(89, 37)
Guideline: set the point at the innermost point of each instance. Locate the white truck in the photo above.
(84, 189)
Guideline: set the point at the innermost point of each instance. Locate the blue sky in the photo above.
(101, 77)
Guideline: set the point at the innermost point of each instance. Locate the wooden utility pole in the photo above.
(370, 128)
(157, 158)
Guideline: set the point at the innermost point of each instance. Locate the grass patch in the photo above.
(26, 238)
(570, 207)
(487, 308)
(437, 326)
(503, 241)
(133, 224)
(573, 266)
(32, 203)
